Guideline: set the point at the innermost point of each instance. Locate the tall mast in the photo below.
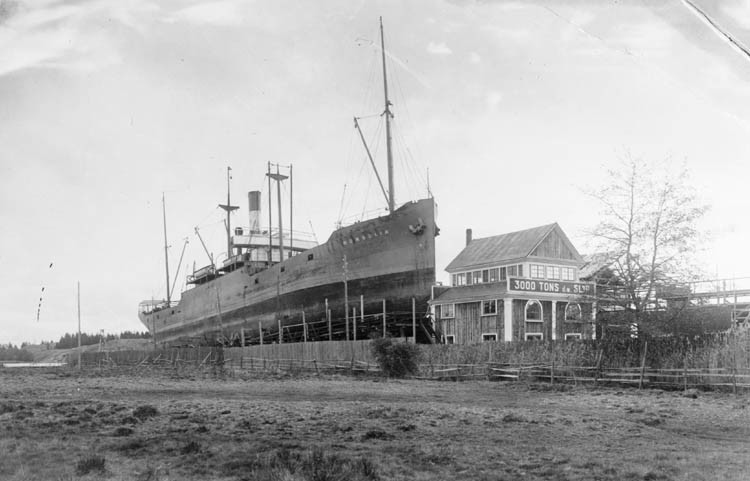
(281, 224)
(166, 247)
(388, 116)
(229, 208)
(278, 177)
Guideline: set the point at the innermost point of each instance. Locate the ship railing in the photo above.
(362, 216)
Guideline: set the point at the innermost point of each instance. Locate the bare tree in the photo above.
(648, 230)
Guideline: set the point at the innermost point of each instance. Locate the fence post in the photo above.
(414, 319)
(361, 310)
(328, 315)
(281, 333)
(260, 332)
(552, 373)
(643, 364)
(242, 336)
(304, 326)
(384, 329)
(354, 324)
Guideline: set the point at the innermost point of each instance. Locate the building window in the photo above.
(492, 337)
(503, 273)
(450, 339)
(459, 279)
(520, 270)
(309, 257)
(537, 271)
(447, 311)
(572, 335)
(533, 311)
(534, 336)
(468, 279)
(512, 271)
(490, 275)
(489, 307)
(553, 272)
(568, 274)
(573, 312)
(477, 277)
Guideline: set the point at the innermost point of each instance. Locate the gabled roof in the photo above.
(506, 247)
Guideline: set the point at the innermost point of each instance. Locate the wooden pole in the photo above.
(260, 332)
(643, 364)
(330, 331)
(354, 323)
(414, 319)
(79, 325)
(242, 336)
(304, 327)
(361, 311)
(281, 333)
(384, 329)
(346, 298)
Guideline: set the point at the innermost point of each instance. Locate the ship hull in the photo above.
(389, 259)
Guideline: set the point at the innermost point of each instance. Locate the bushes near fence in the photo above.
(717, 360)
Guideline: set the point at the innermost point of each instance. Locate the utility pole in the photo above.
(166, 247)
(79, 325)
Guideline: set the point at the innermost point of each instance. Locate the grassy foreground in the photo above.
(58, 425)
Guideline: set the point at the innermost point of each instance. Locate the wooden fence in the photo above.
(716, 363)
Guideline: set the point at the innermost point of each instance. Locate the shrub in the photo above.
(92, 463)
(396, 359)
(144, 412)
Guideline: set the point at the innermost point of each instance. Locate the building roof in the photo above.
(477, 292)
(594, 264)
(506, 247)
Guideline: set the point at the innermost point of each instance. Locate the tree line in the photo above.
(69, 341)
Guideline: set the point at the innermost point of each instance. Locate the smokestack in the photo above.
(468, 236)
(253, 199)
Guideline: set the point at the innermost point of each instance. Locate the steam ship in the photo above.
(376, 272)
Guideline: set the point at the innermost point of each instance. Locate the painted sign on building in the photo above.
(551, 287)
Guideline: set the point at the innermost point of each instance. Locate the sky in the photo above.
(508, 110)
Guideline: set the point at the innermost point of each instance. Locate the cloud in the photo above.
(474, 57)
(63, 35)
(221, 13)
(439, 48)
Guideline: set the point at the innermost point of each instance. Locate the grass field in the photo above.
(59, 425)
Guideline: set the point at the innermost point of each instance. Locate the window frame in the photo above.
(537, 271)
(580, 312)
(453, 311)
(487, 302)
(533, 336)
(552, 272)
(488, 334)
(450, 338)
(573, 336)
(526, 311)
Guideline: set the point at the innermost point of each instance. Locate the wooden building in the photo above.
(517, 286)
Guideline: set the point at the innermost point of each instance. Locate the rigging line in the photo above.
(365, 161)
(416, 169)
(654, 68)
(721, 33)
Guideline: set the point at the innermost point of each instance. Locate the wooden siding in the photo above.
(554, 247)
(468, 325)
